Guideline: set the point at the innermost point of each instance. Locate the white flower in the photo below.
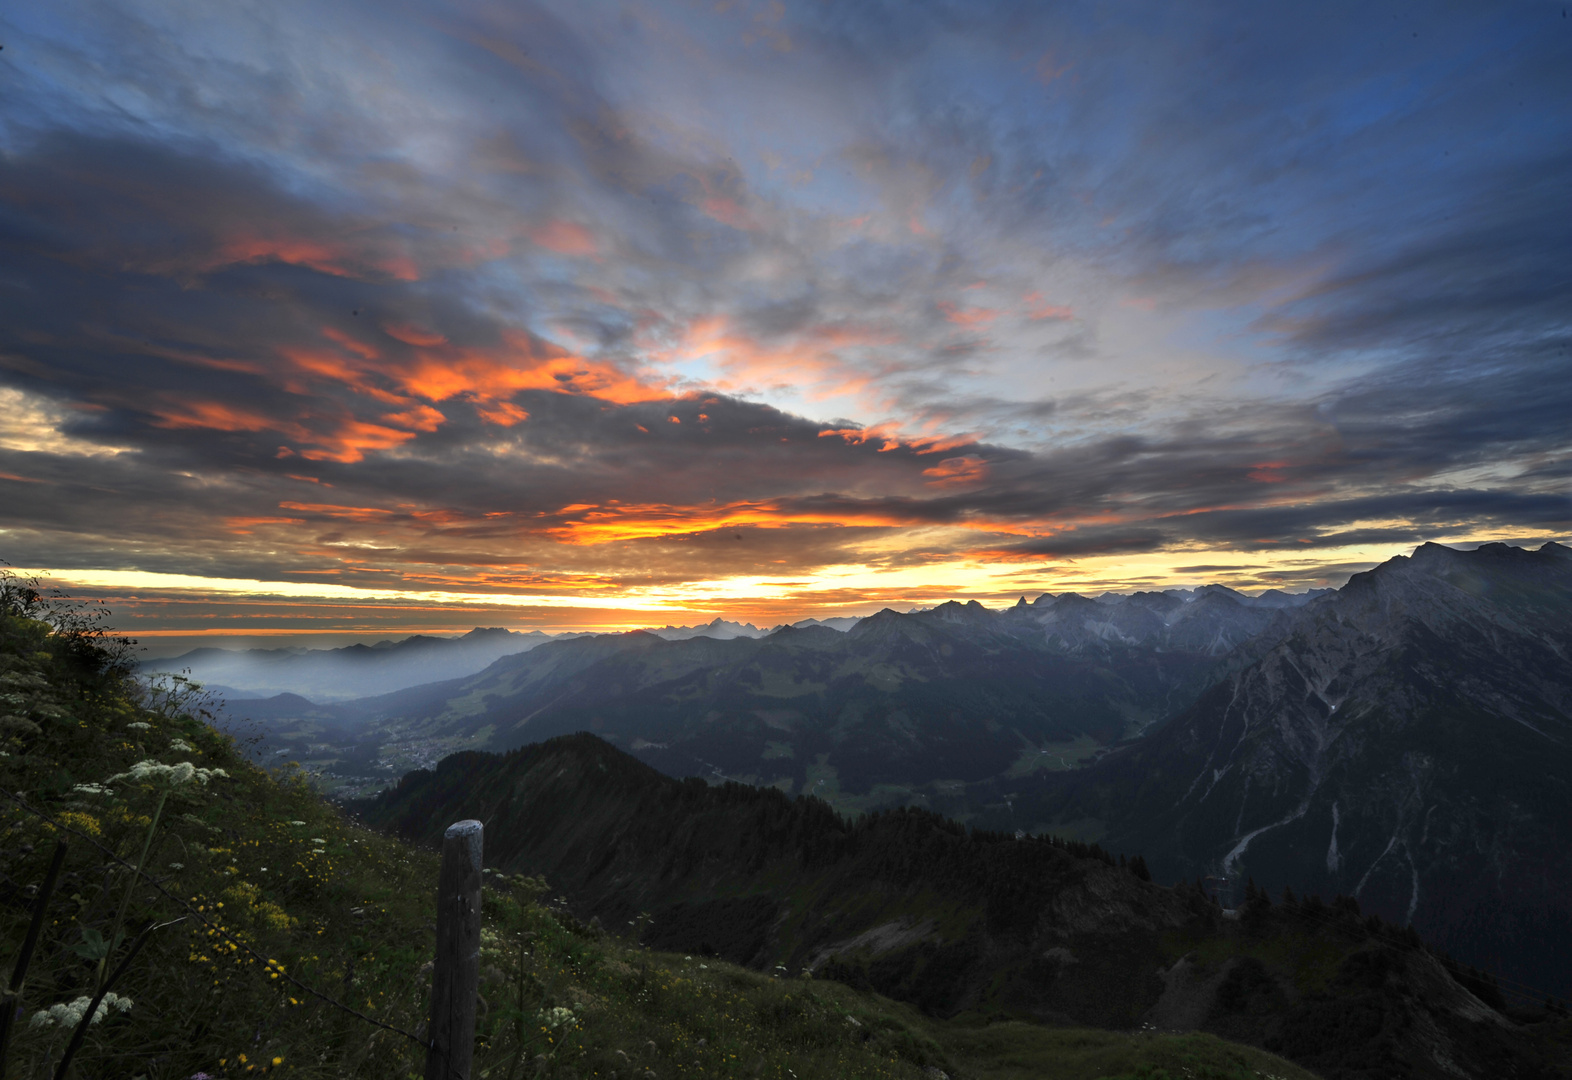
(558, 1017)
(70, 1015)
(140, 725)
(90, 789)
(182, 746)
(169, 777)
(318, 840)
(177, 866)
(297, 822)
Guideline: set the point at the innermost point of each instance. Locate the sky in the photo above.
(354, 318)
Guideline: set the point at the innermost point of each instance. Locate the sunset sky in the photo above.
(322, 320)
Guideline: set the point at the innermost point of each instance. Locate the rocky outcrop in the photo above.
(1407, 742)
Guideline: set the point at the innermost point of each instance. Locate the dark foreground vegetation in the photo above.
(971, 926)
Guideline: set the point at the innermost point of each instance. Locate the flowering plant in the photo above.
(68, 1015)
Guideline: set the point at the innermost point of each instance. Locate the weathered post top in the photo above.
(456, 972)
(469, 832)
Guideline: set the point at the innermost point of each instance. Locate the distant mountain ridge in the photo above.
(952, 694)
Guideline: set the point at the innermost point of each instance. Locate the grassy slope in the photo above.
(348, 912)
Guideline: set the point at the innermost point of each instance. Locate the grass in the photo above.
(275, 886)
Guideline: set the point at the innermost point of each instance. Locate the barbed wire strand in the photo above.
(268, 962)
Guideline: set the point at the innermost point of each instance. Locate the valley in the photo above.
(1403, 740)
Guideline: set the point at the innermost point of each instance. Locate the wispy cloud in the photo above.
(539, 299)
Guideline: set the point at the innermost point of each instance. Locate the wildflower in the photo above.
(90, 789)
(140, 725)
(318, 840)
(169, 777)
(558, 1017)
(182, 746)
(177, 866)
(297, 822)
(69, 1015)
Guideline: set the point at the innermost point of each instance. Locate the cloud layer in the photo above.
(774, 305)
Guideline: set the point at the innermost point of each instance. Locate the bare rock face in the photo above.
(1407, 741)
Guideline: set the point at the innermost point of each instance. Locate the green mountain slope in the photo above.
(968, 925)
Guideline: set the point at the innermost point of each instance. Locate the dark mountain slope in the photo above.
(920, 908)
(954, 693)
(1408, 742)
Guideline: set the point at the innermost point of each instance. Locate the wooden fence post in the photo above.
(456, 975)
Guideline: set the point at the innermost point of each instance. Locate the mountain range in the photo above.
(1403, 740)
(1408, 742)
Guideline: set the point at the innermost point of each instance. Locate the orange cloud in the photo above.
(502, 413)
(340, 260)
(435, 370)
(889, 438)
(523, 363)
(565, 238)
(938, 444)
(243, 526)
(1046, 72)
(220, 416)
(885, 434)
(352, 439)
(957, 471)
(968, 316)
(407, 333)
(421, 418)
(1037, 308)
(359, 348)
(332, 510)
(340, 439)
(727, 212)
(590, 525)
